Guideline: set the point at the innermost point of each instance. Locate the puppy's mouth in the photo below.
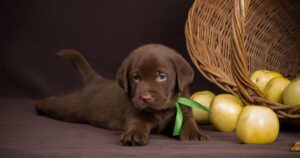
(148, 109)
(151, 107)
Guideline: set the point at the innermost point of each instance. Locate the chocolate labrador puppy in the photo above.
(141, 101)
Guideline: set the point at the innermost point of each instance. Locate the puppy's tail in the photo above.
(79, 63)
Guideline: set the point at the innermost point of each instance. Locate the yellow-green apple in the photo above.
(257, 125)
(225, 109)
(291, 95)
(274, 89)
(261, 77)
(204, 98)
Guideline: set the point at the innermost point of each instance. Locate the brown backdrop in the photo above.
(105, 31)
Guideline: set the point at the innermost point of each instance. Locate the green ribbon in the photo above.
(179, 115)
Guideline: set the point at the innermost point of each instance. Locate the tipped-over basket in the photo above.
(228, 40)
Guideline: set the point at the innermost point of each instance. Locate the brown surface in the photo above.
(25, 134)
(105, 32)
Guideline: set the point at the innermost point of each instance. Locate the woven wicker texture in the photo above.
(228, 40)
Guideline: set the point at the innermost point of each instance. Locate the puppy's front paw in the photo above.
(134, 138)
(195, 135)
(190, 131)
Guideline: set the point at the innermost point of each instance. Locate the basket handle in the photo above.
(247, 89)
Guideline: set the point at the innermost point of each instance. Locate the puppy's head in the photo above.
(153, 75)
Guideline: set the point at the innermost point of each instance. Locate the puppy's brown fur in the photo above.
(141, 101)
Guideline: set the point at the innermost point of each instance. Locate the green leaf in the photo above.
(191, 103)
(179, 115)
(178, 121)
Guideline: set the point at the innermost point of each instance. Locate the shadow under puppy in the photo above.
(141, 101)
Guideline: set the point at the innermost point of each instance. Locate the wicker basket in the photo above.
(228, 40)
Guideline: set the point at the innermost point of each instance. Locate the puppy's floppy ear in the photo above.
(184, 72)
(122, 77)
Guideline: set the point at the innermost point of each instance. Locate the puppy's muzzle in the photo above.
(149, 102)
(148, 98)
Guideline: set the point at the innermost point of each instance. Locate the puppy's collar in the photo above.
(179, 114)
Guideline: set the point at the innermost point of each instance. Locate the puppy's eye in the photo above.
(135, 77)
(161, 77)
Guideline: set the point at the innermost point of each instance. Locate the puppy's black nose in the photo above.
(147, 97)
